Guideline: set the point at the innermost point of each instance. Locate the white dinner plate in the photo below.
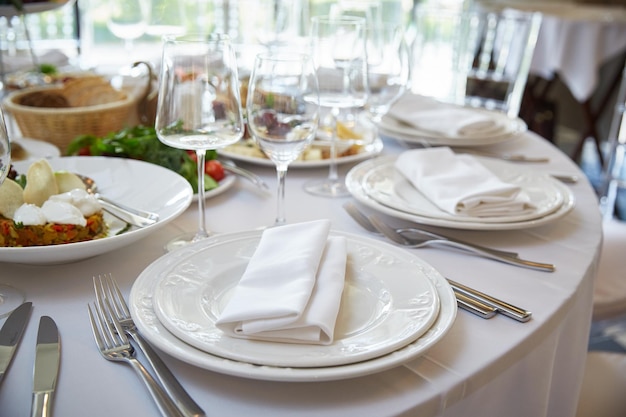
(133, 183)
(393, 128)
(35, 149)
(355, 180)
(373, 254)
(368, 151)
(385, 184)
(384, 305)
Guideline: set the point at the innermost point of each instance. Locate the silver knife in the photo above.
(503, 307)
(46, 369)
(11, 333)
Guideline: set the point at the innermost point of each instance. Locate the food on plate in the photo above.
(45, 207)
(18, 152)
(44, 99)
(88, 90)
(350, 143)
(141, 142)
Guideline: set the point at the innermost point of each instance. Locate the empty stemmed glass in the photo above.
(199, 106)
(338, 51)
(128, 20)
(283, 111)
(10, 297)
(387, 67)
(276, 24)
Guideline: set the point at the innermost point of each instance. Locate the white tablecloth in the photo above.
(496, 367)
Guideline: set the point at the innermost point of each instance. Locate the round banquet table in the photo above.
(481, 367)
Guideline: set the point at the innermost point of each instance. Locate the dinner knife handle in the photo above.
(474, 306)
(42, 404)
(503, 307)
(177, 393)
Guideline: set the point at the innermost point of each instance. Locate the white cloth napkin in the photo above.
(291, 289)
(428, 115)
(461, 185)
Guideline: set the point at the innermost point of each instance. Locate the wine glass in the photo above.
(128, 20)
(10, 297)
(338, 51)
(387, 67)
(276, 24)
(283, 111)
(199, 107)
(166, 18)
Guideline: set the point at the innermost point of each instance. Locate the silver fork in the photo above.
(391, 234)
(114, 346)
(106, 287)
(406, 232)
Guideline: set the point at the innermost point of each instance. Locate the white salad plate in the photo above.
(385, 184)
(384, 306)
(356, 179)
(133, 183)
(396, 129)
(372, 266)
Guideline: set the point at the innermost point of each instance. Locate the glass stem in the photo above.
(332, 171)
(281, 173)
(202, 232)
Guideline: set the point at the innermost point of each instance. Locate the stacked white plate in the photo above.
(393, 309)
(402, 123)
(377, 184)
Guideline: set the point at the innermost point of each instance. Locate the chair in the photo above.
(614, 170)
(603, 393)
(475, 57)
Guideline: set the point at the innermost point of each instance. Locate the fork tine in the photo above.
(107, 316)
(117, 299)
(95, 329)
(387, 231)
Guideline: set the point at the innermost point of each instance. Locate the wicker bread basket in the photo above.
(60, 126)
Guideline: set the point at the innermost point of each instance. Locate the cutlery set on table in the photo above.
(47, 356)
(472, 300)
(452, 179)
(112, 325)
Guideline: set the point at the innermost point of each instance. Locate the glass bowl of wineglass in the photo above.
(128, 20)
(283, 111)
(10, 297)
(387, 67)
(199, 105)
(338, 52)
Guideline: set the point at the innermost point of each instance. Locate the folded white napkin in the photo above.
(461, 185)
(431, 116)
(291, 289)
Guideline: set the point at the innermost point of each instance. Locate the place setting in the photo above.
(437, 187)
(424, 120)
(354, 305)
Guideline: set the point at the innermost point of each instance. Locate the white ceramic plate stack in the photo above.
(397, 127)
(394, 308)
(377, 184)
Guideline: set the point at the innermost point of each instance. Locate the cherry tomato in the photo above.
(84, 151)
(214, 169)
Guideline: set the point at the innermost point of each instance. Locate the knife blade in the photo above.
(11, 334)
(46, 368)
